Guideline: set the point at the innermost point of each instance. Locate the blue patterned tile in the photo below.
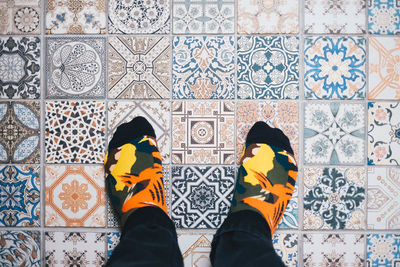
(286, 246)
(383, 250)
(384, 16)
(112, 242)
(20, 248)
(290, 218)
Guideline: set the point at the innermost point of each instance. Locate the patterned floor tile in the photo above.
(383, 198)
(290, 218)
(333, 16)
(384, 133)
(203, 16)
(203, 67)
(20, 17)
(384, 16)
(334, 67)
(195, 249)
(286, 246)
(19, 196)
(74, 132)
(76, 17)
(268, 16)
(20, 248)
(112, 242)
(383, 250)
(203, 132)
(19, 67)
(130, 16)
(75, 67)
(139, 67)
(384, 76)
(339, 250)
(156, 112)
(334, 133)
(201, 196)
(268, 67)
(334, 198)
(19, 132)
(75, 249)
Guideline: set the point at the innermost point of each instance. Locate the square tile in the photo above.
(334, 198)
(112, 217)
(384, 16)
(20, 248)
(268, 67)
(333, 16)
(19, 67)
(195, 248)
(75, 67)
(130, 16)
(286, 246)
(203, 132)
(384, 57)
(384, 133)
(204, 16)
(20, 17)
(112, 242)
(383, 250)
(76, 17)
(334, 67)
(203, 67)
(383, 198)
(75, 249)
(290, 219)
(334, 133)
(19, 196)
(20, 132)
(139, 67)
(74, 132)
(201, 196)
(268, 16)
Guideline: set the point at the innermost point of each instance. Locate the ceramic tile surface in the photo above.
(20, 248)
(195, 249)
(112, 242)
(286, 246)
(20, 16)
(290, 219)
(384, 16)
(383, 250)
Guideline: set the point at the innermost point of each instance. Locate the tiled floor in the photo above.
(327, 72)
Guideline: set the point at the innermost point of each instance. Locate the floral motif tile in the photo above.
(139, 67)
(384, 133)
(268, 16)
(286, 246)
(75, 17)
(75, 67)
(156, 112)
(195, 248)
(75, 249)
(334, 133)
(20, 17)
(74, 132)
(201, 196)
(333, 16)
(19, 132)
(334, 67)
(20, 248)
(19, 195)
(384, 57)
(290, 217)
(130, 16)
(383, 250)
(384, 16)
(112, 242)
(204, 16)
(19, 67)
(203, 132)
(383, 198)
(203, 67)
(334, 198)
(268, 67)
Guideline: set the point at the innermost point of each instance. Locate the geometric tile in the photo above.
(383, 198)
(19, 195)
(286, 246)
(334, 133)
(268, 16)
(203, 132)
(20, 248)
(204, 16)
(290, 217)
(201, 196)
(75, 67)
(75, 249)
(75, 17)
(268, 67)
(384, 133)
(74, 131)
(139, 67)
(334, 198)
(334, 17)
(383, 250)
(384, 16)
(20, 17)
(20, 67)
(203, 67)
(384, 74)
(195, 248)
(334, 67)
(75, 196)
(112, 242)
(20, 132)
(112, 216)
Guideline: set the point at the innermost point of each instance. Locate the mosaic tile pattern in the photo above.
(383, 250)
(20, 17)
(286, 246)
(112, 242)
(195, 248)
(20, 248)
(290, 218)
(384, 16)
